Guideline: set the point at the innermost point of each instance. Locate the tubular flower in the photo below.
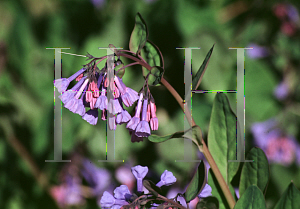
(139, 173)
(108, 201)
(153, 120)
(166, 179)
(63, 83)
(132, 124)
(91, 116)
(143, 129)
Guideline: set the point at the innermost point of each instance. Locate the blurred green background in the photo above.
(28, 27)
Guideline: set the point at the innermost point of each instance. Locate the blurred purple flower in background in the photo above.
(98, 178)
(98, 3)
(69, 193)
(124, 176)
(278, 147)
(257, 51)
(281, 91)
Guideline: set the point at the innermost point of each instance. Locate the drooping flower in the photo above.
(91, 116)
(166, 179)
(101, 102)
(114, 106)
(66, 96)
(153, 120)
(123, 117)
(139, 173)
(132, 124)
(128, 95)
(143, 128)
(62, 83)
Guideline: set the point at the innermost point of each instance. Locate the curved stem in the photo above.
(204, 149)
(134, 63)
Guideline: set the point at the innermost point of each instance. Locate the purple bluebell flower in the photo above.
(101, 102)
(257, 51)
(122, 193)
(143, 128)
(281, 91)
(132, 124)
(123, 117)
(139, 173)
(91, 116)
(129, 96)
(62, 83)
(166, 179)
(206, 191)
(66, 96)
(98, 178)
(108, 201)
(134, 137)
(114, 106)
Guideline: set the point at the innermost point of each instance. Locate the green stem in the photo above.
(205, 150)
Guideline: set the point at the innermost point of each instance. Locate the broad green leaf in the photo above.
(217, 191)
(253, 198)
(197, 136)
(197, 183)
(199, 75)
(208, 203)
(139, 35)
(151, 187)
(155, 75)
(222, 137)
(256, 172)
(290, 198)
(152, 55)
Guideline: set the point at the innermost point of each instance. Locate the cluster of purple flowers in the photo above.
(279, 147)
(122, 195)
(91, 91)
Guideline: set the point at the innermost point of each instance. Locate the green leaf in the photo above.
(197, 136)
(155, 75)
(208, 203)
(253, 198)
(139, 35)
(119, 72)
(151, 187)
(222, 137)
(152, 55)
(290, 198)
(217, 191)
(197, 183)
(256, 172)
(199, 75)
